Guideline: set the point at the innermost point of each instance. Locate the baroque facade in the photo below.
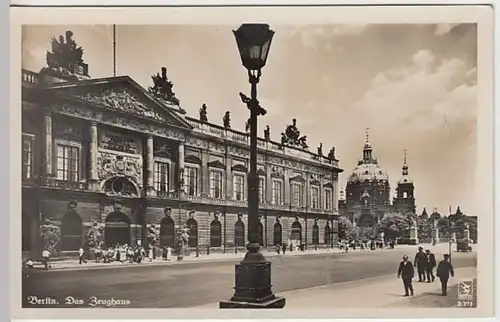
(111, 152)
(366, 199)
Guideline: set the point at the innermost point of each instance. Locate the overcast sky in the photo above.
(413, 86)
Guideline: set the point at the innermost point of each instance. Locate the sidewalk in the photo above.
(73, 264)
(379, 292)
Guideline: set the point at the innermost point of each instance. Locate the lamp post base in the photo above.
(253, 284)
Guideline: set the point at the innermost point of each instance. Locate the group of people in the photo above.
(425, 263)
(363, 245)
(126, 253)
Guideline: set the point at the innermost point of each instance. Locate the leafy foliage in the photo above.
(346, 229)
(393, 225)
(50, 237)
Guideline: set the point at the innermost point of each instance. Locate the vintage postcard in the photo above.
(312, 161)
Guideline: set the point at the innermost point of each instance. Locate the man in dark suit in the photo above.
(406, 272)
(431, 263)
(444, 270)
(420, 263)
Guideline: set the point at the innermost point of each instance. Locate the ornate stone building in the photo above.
(368, 192)
(109, 151)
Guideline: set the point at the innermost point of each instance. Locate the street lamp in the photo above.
(253, 274)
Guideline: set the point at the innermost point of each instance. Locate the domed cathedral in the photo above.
(368, 192)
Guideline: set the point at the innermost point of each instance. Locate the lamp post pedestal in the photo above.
(253, 285)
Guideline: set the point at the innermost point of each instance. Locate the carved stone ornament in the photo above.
(117, 206)
(240, 217)
(167, 212)
(110, 165)
(119, 98)
(191, 214)
(292, 137)
(278, 218)
(203, 113)
(216, 216)
(72, 205)
(226, 120)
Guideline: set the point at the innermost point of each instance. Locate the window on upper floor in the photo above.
(277, 192)
(315, 197)
(191, 180)
(68, 162)
(239, 186)
(298, 194)
(216, 184)
(328, 199)
(161, 176)
(28, 156)
(262, 189)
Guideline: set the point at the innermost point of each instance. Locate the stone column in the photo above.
(413, 235)
(48, 170)
(181, 168)
(93, 181)
(322, 195)
(150, 167)
(335, 189)
(467, 234)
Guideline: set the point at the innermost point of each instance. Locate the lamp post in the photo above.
(253, 274)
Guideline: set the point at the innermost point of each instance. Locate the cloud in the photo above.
(444, 28)
(429, 106)
(312, 35)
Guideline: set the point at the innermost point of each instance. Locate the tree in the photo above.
(346, 229)
(50, 236)
(424, 228)
(393, 225)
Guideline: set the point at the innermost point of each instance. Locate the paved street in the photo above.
(198, 284)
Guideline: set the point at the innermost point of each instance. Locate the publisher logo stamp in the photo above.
(466, 294)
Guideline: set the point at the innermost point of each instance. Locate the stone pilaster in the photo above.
(181, 179)
(93, 181)
(286, 188)
(48, 172)
(150, 167)
(229, 179)
(205, 173)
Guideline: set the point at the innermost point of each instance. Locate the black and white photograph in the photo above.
(256, 164)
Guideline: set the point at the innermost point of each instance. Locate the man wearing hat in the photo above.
(444, 270)
(420, 263)
(406, 272)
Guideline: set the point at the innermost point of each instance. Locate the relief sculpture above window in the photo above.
(117, 142)
(110, 165)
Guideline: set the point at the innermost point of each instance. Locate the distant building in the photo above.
(367, 196)
(109, 151)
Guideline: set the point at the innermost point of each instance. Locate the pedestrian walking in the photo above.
(150, 254)
(444, 271)
(81, 254)
(46, 259)
(431, 263)
(420, 263)
(406, 273)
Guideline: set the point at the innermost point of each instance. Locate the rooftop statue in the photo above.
(331, 154)
(267, 133)
(203, 113)
(292, 136)
(66, 56)
(320, 149)
(226, 120)
(163, 88)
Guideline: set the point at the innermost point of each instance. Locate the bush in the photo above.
(50, 237)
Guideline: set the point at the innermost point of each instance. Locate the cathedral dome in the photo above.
(368, 171)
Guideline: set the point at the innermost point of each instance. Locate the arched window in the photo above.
(239, 234)
(167, 232)
(71, 231)
(315, 234)
(297, 232)
(215, 233)
(120, 186)
(277, 234)
(260, 227)
(117, 229)
(327, 234)
(193, 232)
